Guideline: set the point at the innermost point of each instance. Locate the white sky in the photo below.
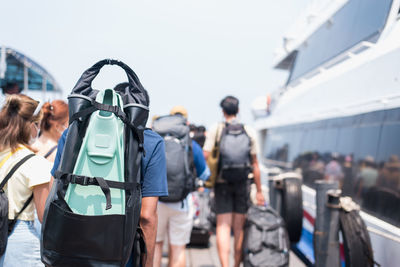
(191, 53)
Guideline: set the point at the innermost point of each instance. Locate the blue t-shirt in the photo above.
(154, 168)
(203, 172)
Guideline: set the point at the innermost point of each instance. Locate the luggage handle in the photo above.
(90, 74)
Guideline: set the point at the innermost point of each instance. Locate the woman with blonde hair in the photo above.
(28, 187)
(53, 124)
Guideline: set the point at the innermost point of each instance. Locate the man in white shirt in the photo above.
(232, 197)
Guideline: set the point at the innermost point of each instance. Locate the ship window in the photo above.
(389, 142)
(345, 145)
(368, 150)
(356, 21)
(378, 185)
(34, 80)
(367, 139)
(49, 86)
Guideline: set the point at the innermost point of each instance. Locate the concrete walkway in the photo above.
(208, 257)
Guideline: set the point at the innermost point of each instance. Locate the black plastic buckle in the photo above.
(85, 180)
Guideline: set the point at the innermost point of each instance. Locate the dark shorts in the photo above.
(231, 197)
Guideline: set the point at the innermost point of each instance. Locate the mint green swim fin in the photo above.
(101, 155)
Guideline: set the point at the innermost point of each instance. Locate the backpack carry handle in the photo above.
(83, 86)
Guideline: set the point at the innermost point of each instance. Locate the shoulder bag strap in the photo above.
(12, 171)
(50, 152)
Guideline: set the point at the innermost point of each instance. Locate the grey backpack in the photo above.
(266, 241)
(235, 161)
(179, 155)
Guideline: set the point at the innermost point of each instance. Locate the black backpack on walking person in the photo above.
(234, 149)
(6, 225)
(75, 239)
(179, 155)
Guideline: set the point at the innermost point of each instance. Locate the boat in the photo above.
(340, 102)
(28, 76)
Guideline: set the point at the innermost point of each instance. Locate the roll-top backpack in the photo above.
(266, 241)
(179, 155)
(234, 149)
(92, 211)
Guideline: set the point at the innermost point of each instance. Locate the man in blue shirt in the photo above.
(175, 219)
(153, 184)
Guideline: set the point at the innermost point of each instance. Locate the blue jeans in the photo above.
(23, 246)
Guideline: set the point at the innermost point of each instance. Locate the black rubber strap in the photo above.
(12, 171)
(11, 223)
(86, 180)
(105, 185)
(106, 190)
(113, 109)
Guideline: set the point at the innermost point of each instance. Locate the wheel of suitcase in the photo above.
(292, 207)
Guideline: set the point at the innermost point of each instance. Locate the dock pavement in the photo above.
(208, 257)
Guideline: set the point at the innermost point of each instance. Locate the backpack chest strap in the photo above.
(105, 185)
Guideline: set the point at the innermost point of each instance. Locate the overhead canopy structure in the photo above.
(17, 68)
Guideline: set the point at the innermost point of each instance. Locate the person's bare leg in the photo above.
(238, 232)
(224, 224)
(158, 254)
(176, 256)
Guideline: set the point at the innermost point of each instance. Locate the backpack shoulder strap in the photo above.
(14, 169)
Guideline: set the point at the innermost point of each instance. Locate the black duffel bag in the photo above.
(266, 241)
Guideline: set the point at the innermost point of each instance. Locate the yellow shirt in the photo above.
(35, 171)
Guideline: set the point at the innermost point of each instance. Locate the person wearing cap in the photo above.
(231, 199)
(175, 219)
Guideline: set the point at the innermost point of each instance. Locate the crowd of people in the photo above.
(32, 137)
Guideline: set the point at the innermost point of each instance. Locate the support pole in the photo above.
(275, 193)
(333, 203)
(322, 225)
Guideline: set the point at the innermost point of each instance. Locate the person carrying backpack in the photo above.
(152, 184)
(24, 182)
(237, 160)
(185, 161)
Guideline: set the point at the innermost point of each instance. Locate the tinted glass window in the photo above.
(34, 80)
(346, 139)
(329, 144)
(356, 21)
(389, 142)
(367, 139)
(294, 144)
(49, 86)
(378, 180)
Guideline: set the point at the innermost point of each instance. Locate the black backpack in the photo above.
(266, 241)
(6, 225)
(71, 239)
(234, 149)
(179, 155)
